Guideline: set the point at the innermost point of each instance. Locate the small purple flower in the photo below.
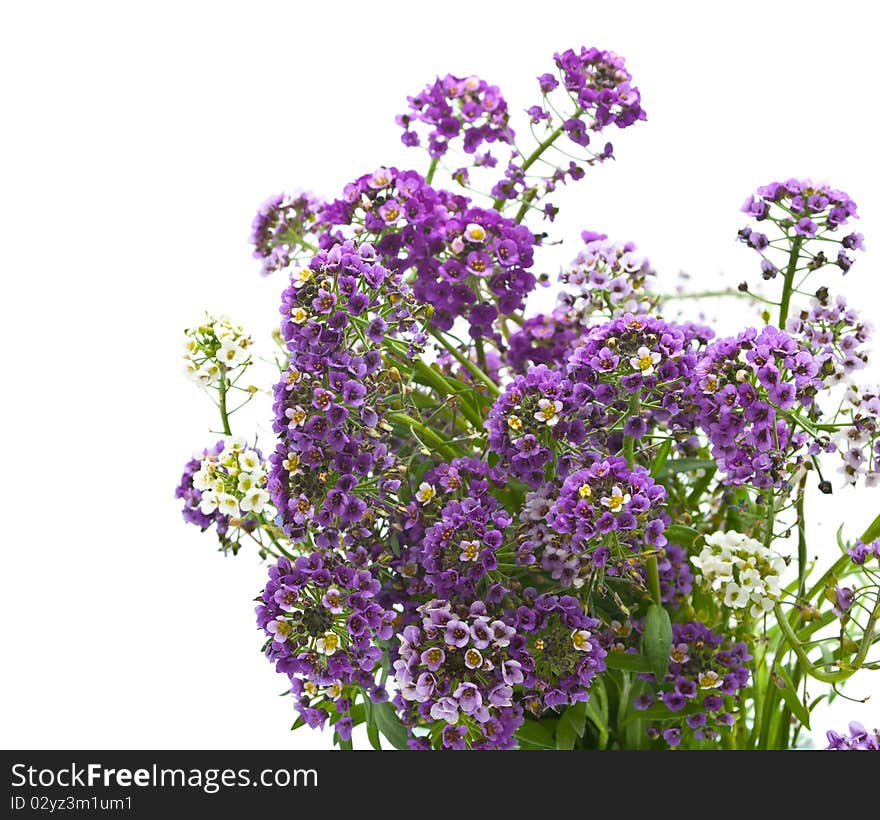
(457, 633)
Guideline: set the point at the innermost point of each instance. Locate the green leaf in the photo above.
(660, 458)
(389, 725)
(345, 745)
(372, 729)
(681, 535)
(790, 696)
(630, 661)
(576, 716)
(565, 735)
(657, 640)
(659, 711)
(873, 531)
(536, 734)
(685, 465)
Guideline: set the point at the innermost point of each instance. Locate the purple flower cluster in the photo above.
(606, 278)
(468, 261)
(535, 411)
(322, 622)
(601, 86)
(542, 339)
(459, 669)
(859, 441)
(861, 552)
(835, 332)
(744, 385)
(639, 353)
(279, 227)
(802, 209)
(601, 509)
(676, 578)
(558, 650)
(457, 106)
(859, 739)
(703, 680)
(459, 549)
(544, 410)
(336, 317)
(192, 498)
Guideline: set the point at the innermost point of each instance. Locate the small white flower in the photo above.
(735, 596)
(203, 479)
(299, 316)
(249, 461)
(475, 233)
(750, 578)
(227, 504)
(425, 492)
(470, 551)
(617, 500)
(208, 373)
(328, 644)
(296, 415)
(254, 500)
(645, 361)
(231, 354)
(209, 502)
(580, 640)
(548, 411)
(301, 277)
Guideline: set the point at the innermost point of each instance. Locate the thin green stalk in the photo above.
(653, 578)
(425, 432)
(536, 155)
(629, 441)
(224, 416)
(481, 354)
(801, 537)
(789, 279)
(465, 362)
(429, 177)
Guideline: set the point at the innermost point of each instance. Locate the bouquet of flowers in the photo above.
(493, 529)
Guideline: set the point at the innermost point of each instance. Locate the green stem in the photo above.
(465, 362)
(809, 667)
(787, 285)
(425, 432)
(532, 158)
(434, 379)
(266, 529)
(653, 578)
(629, 441)
(481, 353)
(224, 416)
(429, 177)
(801, 537)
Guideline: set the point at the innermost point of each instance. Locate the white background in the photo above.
(136, 145)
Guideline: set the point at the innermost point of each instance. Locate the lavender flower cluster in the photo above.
(498, 530)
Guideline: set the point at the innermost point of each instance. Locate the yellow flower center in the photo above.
(585, 491)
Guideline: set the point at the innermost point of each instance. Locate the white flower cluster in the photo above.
(741, 571)
(213, 348)
(857, 442)
(607, 277)
(233, 482)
